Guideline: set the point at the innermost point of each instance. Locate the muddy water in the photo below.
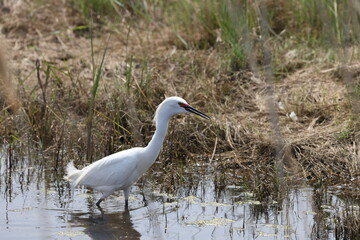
(37, 204)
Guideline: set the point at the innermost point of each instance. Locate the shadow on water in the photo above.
(105, 225)
(202, 203)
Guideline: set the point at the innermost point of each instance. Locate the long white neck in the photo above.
(152, 150)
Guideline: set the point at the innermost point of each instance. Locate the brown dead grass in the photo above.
(8, 93)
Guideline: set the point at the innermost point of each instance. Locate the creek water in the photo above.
(38, 204)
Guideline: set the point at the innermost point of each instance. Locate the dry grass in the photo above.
(7, 89)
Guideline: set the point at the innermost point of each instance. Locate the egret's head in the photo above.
(174, 105)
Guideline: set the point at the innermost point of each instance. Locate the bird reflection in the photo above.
(105, 225)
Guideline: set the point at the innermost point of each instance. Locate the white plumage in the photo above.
(119, 171)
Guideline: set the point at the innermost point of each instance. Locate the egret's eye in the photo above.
(183, 104)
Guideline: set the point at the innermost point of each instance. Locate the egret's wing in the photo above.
(114, 170)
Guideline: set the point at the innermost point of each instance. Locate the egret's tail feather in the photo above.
(72, 173)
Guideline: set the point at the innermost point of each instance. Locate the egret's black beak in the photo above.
(195, 111)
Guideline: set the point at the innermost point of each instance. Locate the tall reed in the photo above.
(97, 70)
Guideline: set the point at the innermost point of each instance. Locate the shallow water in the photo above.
(38, 205)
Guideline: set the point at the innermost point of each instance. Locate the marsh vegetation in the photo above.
(81, 79)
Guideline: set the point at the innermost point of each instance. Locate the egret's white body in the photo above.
(119, 171)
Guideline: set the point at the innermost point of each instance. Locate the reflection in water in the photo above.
(204, 215)
(105, 225)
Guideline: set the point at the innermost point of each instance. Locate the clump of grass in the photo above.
(99, 10)
(235, 22)
(215, 22)
(41, 120)
(238, 26)
(332, 22)
(347, 224)
(97, 7)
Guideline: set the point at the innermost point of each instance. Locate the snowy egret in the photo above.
(122, 169)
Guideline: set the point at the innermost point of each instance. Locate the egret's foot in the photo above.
(98, 203)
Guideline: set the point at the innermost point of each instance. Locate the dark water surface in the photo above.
(36, 206)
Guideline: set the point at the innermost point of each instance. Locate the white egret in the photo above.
(119, 171)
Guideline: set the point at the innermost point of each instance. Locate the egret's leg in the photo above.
(142, 191)
(126, 194)
(104, 195)
(98, 202)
